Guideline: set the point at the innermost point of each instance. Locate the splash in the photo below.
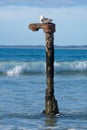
(15, 71)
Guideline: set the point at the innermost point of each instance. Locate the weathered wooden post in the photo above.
(51, 106)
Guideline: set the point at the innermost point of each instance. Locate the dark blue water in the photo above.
(23, 85)
(27, 54)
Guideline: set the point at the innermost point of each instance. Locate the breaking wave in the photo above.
(13, 68)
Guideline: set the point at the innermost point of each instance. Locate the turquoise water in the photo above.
(23, 84)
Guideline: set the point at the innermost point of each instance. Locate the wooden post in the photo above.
(51, 106)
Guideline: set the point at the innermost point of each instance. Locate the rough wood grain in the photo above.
(51, 106)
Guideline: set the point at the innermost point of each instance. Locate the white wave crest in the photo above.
(15, 71)
(17, 68)
(71, 66)
(30, 67)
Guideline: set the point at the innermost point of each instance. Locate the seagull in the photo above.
(45, 20)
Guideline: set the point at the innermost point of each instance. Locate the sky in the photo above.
(69, 16)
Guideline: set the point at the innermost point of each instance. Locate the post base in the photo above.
(51, 106)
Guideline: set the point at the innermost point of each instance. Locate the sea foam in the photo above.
(15, 71)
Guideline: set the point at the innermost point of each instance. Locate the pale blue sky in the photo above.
(70, 17)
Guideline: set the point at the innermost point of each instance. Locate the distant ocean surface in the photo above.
(23, 85)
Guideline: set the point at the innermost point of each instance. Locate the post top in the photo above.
(47, 27)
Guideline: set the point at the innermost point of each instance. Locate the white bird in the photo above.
(45, 20)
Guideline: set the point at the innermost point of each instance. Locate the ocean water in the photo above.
(23, 85)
